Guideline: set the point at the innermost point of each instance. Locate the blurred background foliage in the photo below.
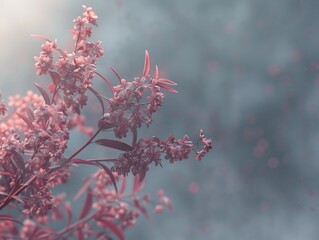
(248, 75)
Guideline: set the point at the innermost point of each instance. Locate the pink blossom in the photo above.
(35, 133)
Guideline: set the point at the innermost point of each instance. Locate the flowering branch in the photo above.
(35, 131)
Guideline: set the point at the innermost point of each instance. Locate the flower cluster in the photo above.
(73, 72)
(147, 151)
(133, 103)
(207, 146)
(35, 132)
(105, 212)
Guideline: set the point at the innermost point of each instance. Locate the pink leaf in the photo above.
(85, 185)
(41, 37)
(18, 160)
(114, 144)
(166, 81)
(6, 174)
(156, 72)
(76, 109)
(6, 217)
(55, 78)
(109, 173)
(44, 94)
(14, 197)
(115, 229)
(123, 186)
(134, 132)
(117, 74)
(80, 234)
(68, 209)
(98, 96)
(141, 208)
(27, 120)
(167, 88)
(78, 160)
(147, 64)
(30, 114)
(87, 204)
(137, 184)
(43, 234)
(104, 124)
(109, 84)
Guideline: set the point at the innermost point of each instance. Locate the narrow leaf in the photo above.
(41, 37)
(156, 72)
(78, 160)
(80, 234)
(123, 186)
(137, 184)
(115, 229)
(17, 198)
(44, 234)
(68, 209)
(166, 81)
(87, 204)
(85, 185)
(114, 144)
(147, 64)
(167, 88)
(98, 96)
(6, 174)
(44, 93)
(134, 132)
(76, 109)
(109, 173)
(117, 74)
(93, 161)
(30, 113)
(55, 78)
(109, 84)
(18, 161)
(27, 120)
(141, 208)
(104, 124)
(6, 217)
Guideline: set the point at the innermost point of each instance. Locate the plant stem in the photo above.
(74, 225)
(33, 178)
(85, 145)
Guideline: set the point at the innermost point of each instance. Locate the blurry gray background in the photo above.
(247, 73)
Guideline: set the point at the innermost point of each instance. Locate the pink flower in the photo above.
(35, 134)
(90, 15)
